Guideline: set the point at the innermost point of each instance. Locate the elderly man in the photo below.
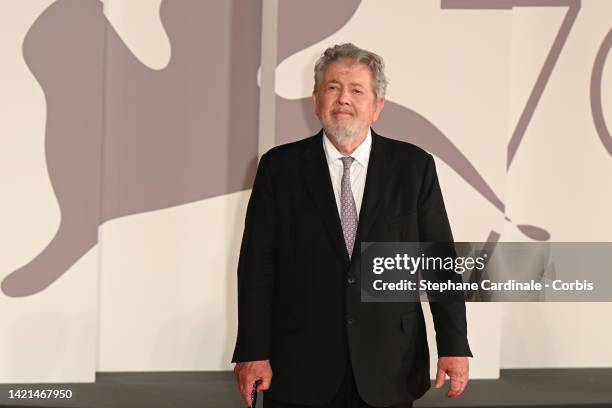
(303, 332)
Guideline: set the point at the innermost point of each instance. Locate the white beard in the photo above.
(342, 135)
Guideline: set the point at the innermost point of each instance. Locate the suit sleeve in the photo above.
(448, 316)
(256, 270)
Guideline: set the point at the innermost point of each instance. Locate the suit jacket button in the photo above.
(350, 320)
(351, 279)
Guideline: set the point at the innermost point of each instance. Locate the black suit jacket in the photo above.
(299, 293)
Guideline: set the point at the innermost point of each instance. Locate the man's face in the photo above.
(345, 101)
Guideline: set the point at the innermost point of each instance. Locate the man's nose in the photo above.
(344, 97)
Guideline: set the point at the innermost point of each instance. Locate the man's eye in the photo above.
(357, 91)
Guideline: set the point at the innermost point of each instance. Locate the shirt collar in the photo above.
(361, 154)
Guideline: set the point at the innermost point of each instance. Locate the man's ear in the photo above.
(380, 104)
(315, 104)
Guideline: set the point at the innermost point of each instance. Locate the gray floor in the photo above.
(567, 388)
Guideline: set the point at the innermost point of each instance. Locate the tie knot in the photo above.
(346, 162)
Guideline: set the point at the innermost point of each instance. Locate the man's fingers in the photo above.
(440, 378)
(457, 385)
(245, 391)
(457, 368)
(245, 385)
(265, 384)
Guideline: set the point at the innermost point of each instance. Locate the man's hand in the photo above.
(458, 369)
(248, 372)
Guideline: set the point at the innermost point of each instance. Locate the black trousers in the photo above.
(347, 396)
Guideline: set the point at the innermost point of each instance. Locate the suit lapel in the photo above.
(318, 181)
(376, 185)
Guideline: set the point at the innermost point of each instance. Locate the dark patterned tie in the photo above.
(348, 209)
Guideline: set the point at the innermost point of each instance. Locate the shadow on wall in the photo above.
(123, 139)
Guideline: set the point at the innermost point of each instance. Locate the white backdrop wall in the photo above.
(125, 187)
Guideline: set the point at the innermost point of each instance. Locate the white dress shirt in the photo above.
(359, 168)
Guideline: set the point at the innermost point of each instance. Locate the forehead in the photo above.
(348, 70)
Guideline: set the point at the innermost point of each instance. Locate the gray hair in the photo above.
(349, 51)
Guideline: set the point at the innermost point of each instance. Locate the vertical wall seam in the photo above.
(267, 94)
(101, 185)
